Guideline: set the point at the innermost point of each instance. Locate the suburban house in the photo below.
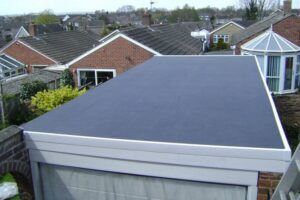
(41, 51)
(279, 60)
(282, 22)
(225, 32)
(163, 130)
(124, 49)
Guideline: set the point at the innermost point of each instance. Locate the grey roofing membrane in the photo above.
(210, 100)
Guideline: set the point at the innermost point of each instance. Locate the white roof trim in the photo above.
(109, 41)
(21, 28)
(8, 45)
(37, 51)
(275, 113)
(230, 22)
(12, 58)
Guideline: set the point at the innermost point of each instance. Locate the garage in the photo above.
(75, 183)
(163, 130)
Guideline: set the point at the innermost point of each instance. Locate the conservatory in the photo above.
(9, 67)
(279, 60)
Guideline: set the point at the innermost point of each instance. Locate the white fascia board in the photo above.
(109, 35)
(21, 29)
(37, 51)
(228, 23)
(277, 159)
(218, 162)
(8, 45)
(275, 113)
(212, 175)
(107, 42)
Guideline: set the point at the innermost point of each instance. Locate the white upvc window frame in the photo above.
(226, 38)
(95, 71)
(297, 71)
(279, 76)
(215, 39)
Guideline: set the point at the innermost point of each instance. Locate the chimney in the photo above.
(147, 19)
(32, 29)
(287, 6)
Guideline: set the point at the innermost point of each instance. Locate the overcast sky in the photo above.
(9, 7)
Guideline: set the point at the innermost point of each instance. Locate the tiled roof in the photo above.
(259, 26)
(62, 46)
(168, 39)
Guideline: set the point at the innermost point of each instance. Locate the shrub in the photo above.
(221, 44)
(67, 78)
(29, 89)
(48, 100)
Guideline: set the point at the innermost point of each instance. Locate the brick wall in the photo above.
(267, 183)
(288, 28)
(14, 159)
(26, 55)
(120, 55)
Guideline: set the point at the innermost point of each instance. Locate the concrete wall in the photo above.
(14, 159)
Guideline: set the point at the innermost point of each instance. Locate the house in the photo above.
(122, 50)
(283, 23)
(279, 60)
(225, 32)
(41, 51)
(40, 29)
(163, 130)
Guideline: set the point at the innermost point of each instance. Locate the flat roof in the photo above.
(205, 100)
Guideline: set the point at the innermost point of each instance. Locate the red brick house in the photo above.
(122, 50)
(58, 48)
(113, 57)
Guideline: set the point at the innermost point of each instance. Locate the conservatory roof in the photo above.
(270, 41)
(7, 63)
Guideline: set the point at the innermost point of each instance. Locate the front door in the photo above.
(288, 77)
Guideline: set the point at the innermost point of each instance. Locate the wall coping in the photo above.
(9, 132)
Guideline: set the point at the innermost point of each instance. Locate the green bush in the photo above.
(67, 78)
(47, 100)
(221, 44)
(29, 89)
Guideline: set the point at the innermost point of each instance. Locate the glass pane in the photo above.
(87, 77)
(104, 76)
(288, 73)
(273, 66)
(298, 68)
(298, 59)
(273, 84)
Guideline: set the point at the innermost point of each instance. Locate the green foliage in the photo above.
(67, 78)
(221, 44)
(186, 14)
(105, 32)
(29, 89)
(251, 10)
(8, 177)
(48, 100)
(46, 17)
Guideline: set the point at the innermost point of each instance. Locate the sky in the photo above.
(9, 7)
(12, 7)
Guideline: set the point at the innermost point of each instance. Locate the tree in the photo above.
(67, 78)
(251, 8)
(46, 17)
(126, 9)
(263, 6)
(47, 100)
(186, 14)
(29, 89)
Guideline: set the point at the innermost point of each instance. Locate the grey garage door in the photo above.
(74, 183)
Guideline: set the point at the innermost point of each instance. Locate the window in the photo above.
(288, 75)
(273, 73)
(226, 38)
(297, 72)
(94, 77)
(216, 39)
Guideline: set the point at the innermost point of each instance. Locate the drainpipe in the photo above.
(1, 104)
